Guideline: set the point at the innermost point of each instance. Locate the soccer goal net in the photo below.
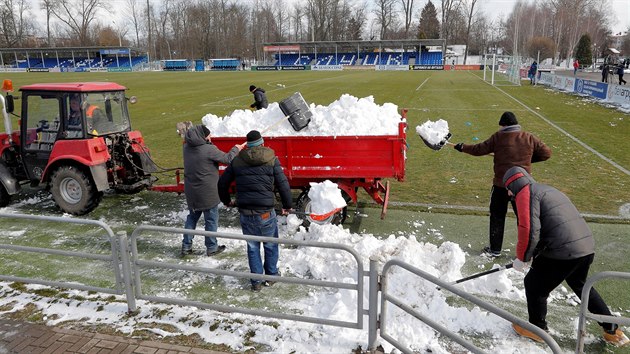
(503, 70)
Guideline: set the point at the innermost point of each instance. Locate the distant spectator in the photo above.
(576, 66)
(620, 69)
(531, 74)
(604, 72)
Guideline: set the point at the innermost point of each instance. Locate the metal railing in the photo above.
(114, 259)
(137, 263)
(585, 313)
(386, 297)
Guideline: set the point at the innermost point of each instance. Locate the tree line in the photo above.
(173, 29)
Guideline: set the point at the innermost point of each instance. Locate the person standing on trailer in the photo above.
(260, 98)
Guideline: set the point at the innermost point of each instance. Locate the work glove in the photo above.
(459, 147)
(520, 265)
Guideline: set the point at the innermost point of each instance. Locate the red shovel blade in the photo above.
(322, 217)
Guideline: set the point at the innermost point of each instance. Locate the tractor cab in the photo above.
(76, 139)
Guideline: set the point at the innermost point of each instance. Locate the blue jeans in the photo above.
(261, 225)
(211, 220)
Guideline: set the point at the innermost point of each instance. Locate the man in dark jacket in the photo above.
(511, 147)
(201, 173)
(260, 98)
(257, 171)
(555, 239)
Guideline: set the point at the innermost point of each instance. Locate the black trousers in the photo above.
(546, 274)
(499, 200)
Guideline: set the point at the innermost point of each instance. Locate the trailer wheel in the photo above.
(303, 204)
(5, 197)
(73, 191)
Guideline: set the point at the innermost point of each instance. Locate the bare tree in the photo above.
(15, 23)
(78, 16)
(132, 13)
(449, 7)
(46, 5)
(469, 6)
(385, 14)
(407, 6)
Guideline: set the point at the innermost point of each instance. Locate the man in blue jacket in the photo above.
(257, 173)
(554, 238)
(201, 173)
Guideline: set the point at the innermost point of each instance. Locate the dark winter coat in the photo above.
(260, 99)
(548, 223)
(201, 169)
(511, 147)
(256, 172)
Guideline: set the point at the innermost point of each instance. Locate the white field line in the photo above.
(584, 145)
(423, 82)
(220, 102)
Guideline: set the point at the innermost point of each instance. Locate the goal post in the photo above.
(503, 70)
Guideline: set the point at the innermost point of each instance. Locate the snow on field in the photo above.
(348, 115)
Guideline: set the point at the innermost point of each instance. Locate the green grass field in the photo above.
(446, 177)
(471, 107)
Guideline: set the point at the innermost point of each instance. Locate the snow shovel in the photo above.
(481, 274)
(296, 111)
(434, 134)
(317, 217)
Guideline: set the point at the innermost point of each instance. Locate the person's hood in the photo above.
(259, 89)
(258, 155)
(195, 136)
(516, 178)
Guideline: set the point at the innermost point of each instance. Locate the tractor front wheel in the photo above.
(73, 191)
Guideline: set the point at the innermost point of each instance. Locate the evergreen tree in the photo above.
(429, 26)
(583, 51)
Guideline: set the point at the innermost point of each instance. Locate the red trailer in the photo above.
(350, 161)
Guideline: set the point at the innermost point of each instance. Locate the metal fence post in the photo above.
(372, 304)
(126, 270)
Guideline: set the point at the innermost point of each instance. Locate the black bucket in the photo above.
(296, 108)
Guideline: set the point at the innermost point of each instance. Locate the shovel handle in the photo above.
(503, 267)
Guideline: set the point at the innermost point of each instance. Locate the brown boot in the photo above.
(618, 338)
(525, 333)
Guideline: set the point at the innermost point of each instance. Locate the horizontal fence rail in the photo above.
(113, 258)
(386, 297)
(137, 263)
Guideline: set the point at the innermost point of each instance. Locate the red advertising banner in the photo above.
(281, 48)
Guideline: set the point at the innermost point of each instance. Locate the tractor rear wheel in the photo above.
(73, 191)
(5, 197)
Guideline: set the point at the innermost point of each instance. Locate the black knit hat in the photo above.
(206, 131)
(252, 88)
(254, 138)
(508, 118)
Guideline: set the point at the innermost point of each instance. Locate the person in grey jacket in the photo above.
(554, 238)
(201, 174)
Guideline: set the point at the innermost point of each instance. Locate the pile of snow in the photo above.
(347, 116)
(433, 132)
(325, 197)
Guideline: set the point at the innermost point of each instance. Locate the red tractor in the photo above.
(75, 139)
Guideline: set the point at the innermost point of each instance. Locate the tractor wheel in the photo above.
(5, 197)
(73, 191)
(303, 205)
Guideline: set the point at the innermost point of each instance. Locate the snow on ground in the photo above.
(346, 116)
(444, 261)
